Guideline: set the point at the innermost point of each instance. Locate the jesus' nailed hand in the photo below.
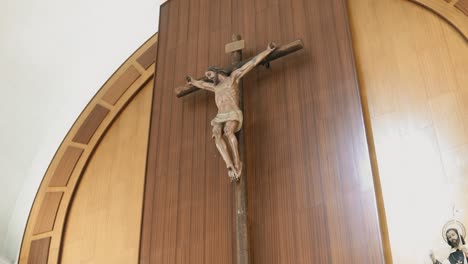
(229, 117)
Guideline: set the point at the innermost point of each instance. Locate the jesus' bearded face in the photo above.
(452, 238)
(210, 75)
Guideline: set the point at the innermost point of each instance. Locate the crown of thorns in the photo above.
(219, 70)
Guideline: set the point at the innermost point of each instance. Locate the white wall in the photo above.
(4, 261)
(54, 56)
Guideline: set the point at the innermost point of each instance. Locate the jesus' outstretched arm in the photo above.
(239, 73)
(200, 84)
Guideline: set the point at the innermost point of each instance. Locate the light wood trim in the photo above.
(57, 189)
(103, 223)
(412, 70)
(121, 85)
(148, 57)
(451, 13)
(77, 145)
(88, 142)
(42, 235)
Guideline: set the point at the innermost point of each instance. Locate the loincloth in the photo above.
(235, 115)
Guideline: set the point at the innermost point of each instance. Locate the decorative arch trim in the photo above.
(42, 239)
(454, 11)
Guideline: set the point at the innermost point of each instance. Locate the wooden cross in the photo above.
(242, 253)
(239, 45)
(241, 229)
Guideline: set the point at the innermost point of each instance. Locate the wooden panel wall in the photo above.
(462, 5)
(413, 69)
(104, 220)
(454, 11)
(311, 193)
(54, 197)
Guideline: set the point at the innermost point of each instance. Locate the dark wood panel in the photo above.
(65, 167)
(463, 6)
(154, 143)
(49, 208)
(39, 251)
(148, 57)
(91, 124)
(310, 186)
(121, 85)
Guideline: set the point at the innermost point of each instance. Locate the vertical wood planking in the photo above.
(149, 194)
(201, 136)
(309, 181)
(187, 49)
(166, 210)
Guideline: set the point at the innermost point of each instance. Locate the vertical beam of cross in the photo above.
(242, 251)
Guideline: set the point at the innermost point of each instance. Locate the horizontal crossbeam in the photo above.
(278, 53)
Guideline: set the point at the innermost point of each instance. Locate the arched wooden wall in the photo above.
(43, 237)
(454, 11)
(103, 224)
(413, 71)
(412, 67)
(310, 187)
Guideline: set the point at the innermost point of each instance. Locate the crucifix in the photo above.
(226, 84)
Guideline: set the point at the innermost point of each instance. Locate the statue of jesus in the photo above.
(225, 85)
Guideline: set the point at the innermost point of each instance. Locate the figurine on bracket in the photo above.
(229, 119)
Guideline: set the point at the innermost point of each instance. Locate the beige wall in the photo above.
(413, 73)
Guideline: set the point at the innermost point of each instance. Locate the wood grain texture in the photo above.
(104, 220)
(81, 126)
(148, 57)
(39, 251)
(65, 168)
(457, 14)
(310, 185)
(412, 68)
(463, 6)
(48, 212)
(91, 124)
(121, 85)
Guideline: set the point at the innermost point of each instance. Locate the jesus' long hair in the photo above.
(460, 237)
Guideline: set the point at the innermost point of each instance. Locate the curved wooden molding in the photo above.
(454, 11)
(43, 235)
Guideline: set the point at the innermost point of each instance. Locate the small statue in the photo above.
(454, 234)
(229, 118)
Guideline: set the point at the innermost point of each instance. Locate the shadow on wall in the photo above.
(4, 261)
